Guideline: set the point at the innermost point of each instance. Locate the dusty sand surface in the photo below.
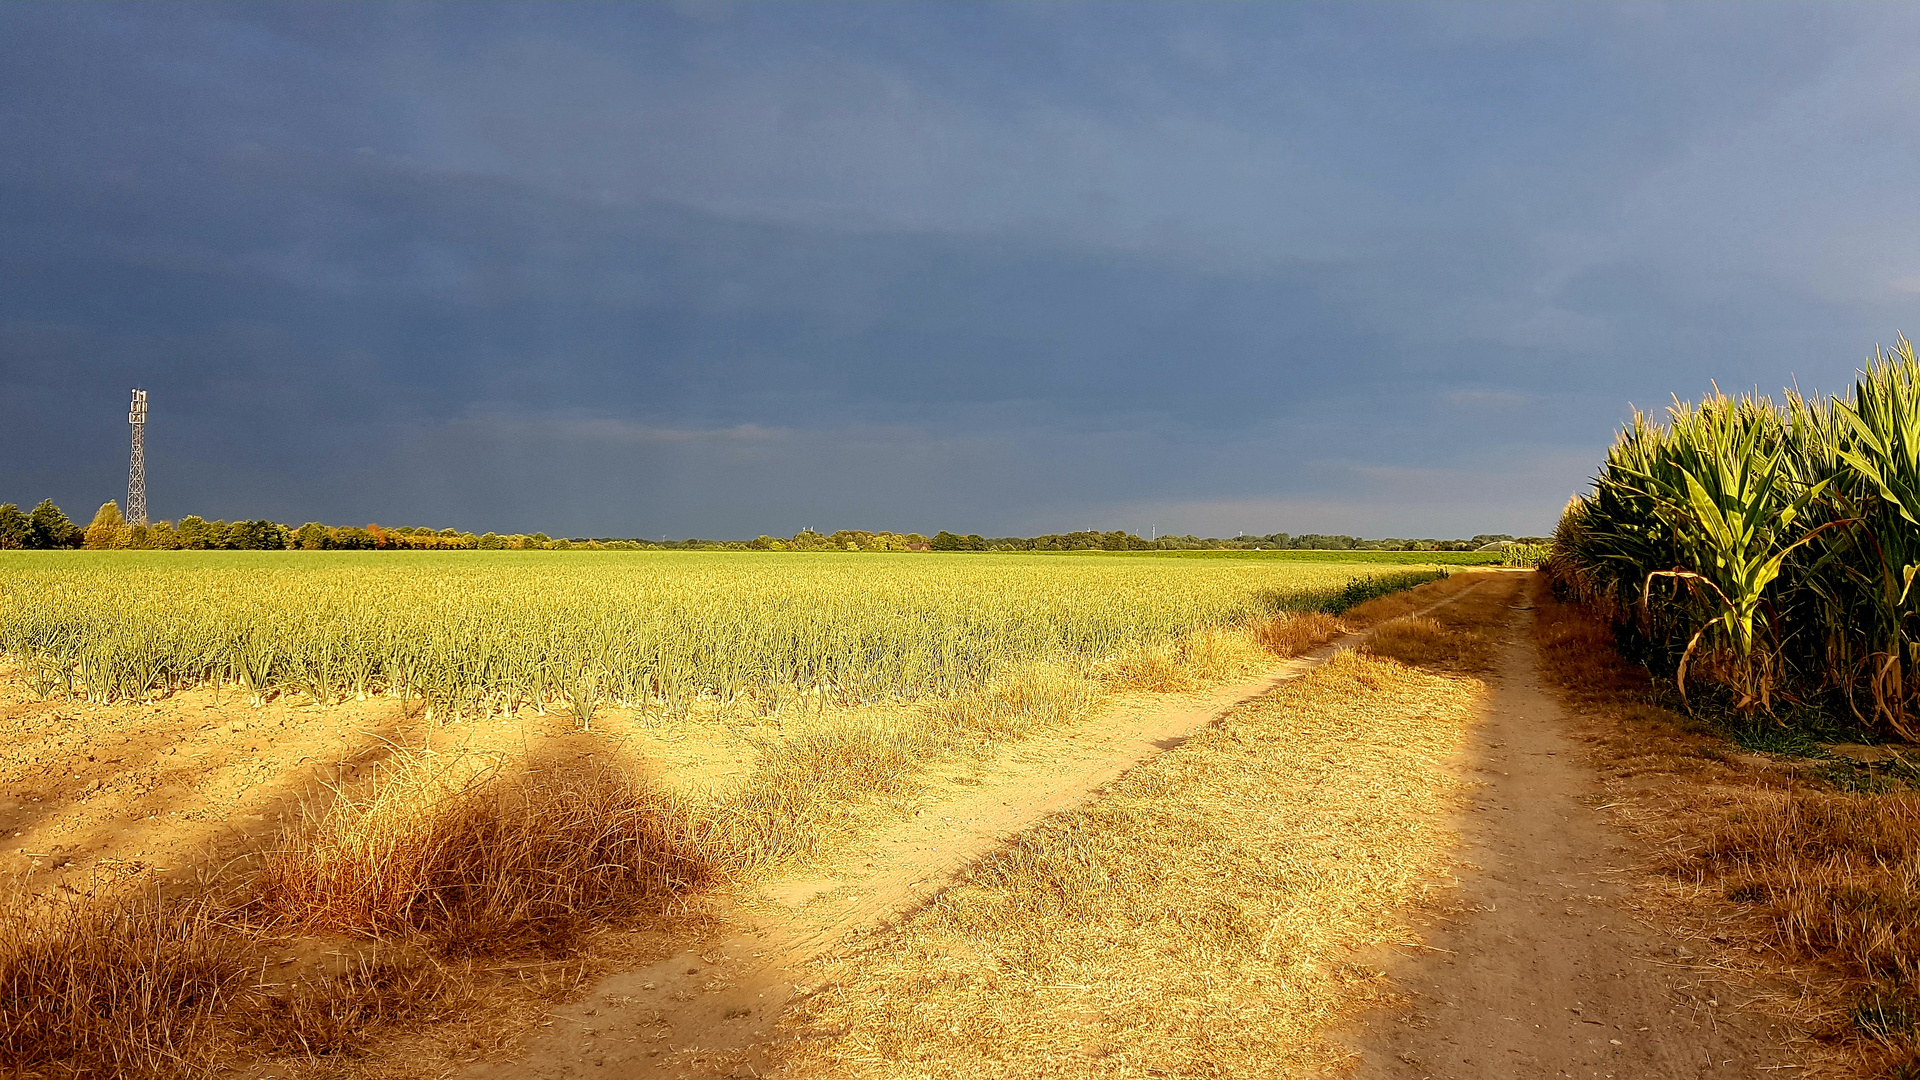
(1537, 968)
(183, 789)
(710, 1011)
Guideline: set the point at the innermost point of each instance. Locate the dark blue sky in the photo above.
(719, 270)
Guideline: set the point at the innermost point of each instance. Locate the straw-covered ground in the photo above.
(1201, 918)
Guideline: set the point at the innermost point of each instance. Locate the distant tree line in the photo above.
(844, 540)
(48, 527)
(1089, 540)
(45, 526)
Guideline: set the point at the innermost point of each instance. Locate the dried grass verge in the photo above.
(133, 989)
(1294, 633)
(1193, 660)
(809, 788)
(1405, 602)
(1198, 919)
(1804, 895)
(1423, 641)
(462, 858)
(484, 862)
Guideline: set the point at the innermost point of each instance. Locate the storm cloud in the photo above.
(721, 270)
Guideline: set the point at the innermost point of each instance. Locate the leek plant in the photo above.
(657, 633)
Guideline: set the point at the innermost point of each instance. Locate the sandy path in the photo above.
(711, 1012)
(1539, 970)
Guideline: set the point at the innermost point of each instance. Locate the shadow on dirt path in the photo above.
(1538, 969)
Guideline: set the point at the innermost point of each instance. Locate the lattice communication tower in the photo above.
(137, 471)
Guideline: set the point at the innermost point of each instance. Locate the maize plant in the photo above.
(1771, 546)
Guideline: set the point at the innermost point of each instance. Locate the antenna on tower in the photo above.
(137, 469)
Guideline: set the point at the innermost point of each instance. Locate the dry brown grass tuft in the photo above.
(1835, 873)
(1187, 662)
(340, 1014)
(1778, 878)
(1200, 918)
(1293, 633)
(806, 787)
(483, 861)
(1424, 641)
(132, 989)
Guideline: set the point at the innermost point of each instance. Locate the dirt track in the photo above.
(1538, 970)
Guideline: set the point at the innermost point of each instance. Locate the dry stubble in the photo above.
(1201, 918)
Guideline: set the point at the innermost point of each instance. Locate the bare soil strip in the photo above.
(1538, 967)
(1787, 879)
(710, 1011)
(171, 793)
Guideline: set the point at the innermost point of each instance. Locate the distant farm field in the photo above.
(498, 631)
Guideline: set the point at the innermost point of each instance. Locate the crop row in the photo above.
(652, 631)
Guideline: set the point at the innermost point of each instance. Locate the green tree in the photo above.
(310, 537)
(13, 527)
(195, 533)
(47, 527)
(256, 536)
(109, 528)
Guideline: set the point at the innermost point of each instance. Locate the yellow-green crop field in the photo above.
(496, 632)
